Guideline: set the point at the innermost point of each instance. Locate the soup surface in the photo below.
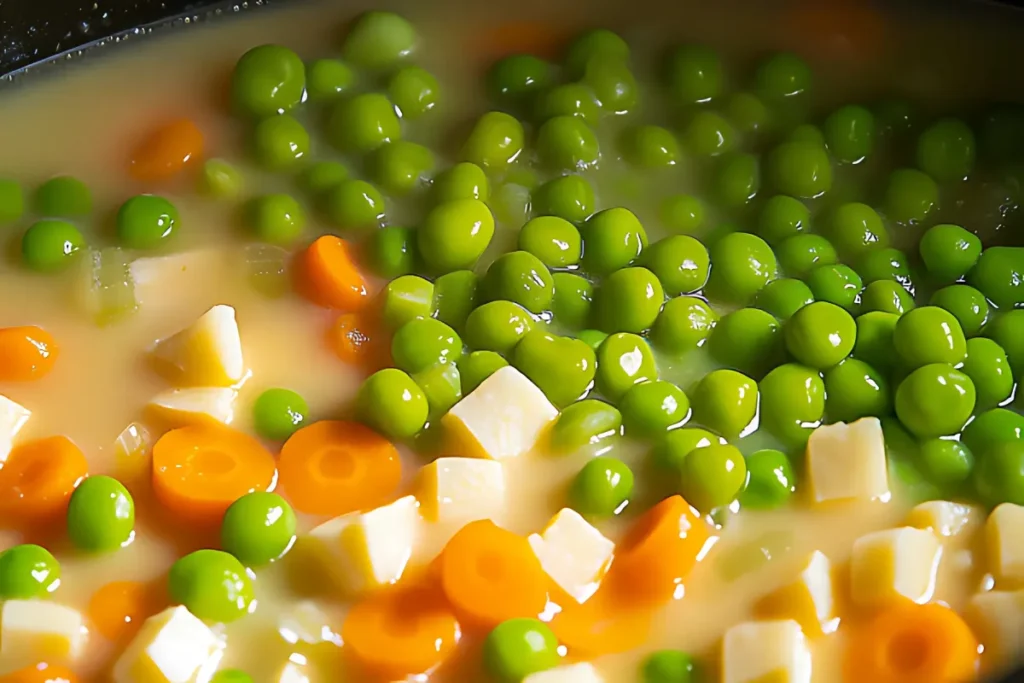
(464, 346)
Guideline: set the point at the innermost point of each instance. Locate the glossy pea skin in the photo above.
(12, 201)
(628, 300)
(945, 150)
(378, 40)
(593, 338)
(455, 234)
(820, 334)
(857, 228)
(748, 340)
(328, 79)
(49, 245)
(414, 90)
(949, 252)
(567, 143)
(653, 408)
(967, 305)
(406, 298)
(258, 528)
(280, 143)
(401, 166)
(800, 254)
(623, 360)
(572, 301)
(999, 275)
(392, 403)
(713, 476)
(929, 334)
(101, 515)
(601, 487)
(392, 251)
(945, 462)
(748, 113)
(837, 284)
(442, 385)
(570, 197)
(212, 584)
(495, 142)
(522, 278)
(886, 295)
(354, 205)
(455, 296)
(781, 217)
(771, 481)
(783, 297)
(515, 80)
(278, 413)
(910, 196)
(709, 134)
(553, 240)
(268, 79)
(989, 369)
(800, 169)
(497, 326)
(477, 366)
(850, 133)
(997, 475)
(682, 213)
(782, 76)
(363, 123)
(737, 180)
(613, 83)
(516, 648)
(807, 132)
(854, 390)
(725, 401)
(671, 448)
(887, 263)
(694, 74)
(594, 43)
(990, 428)
(562, 367)
(219, 179)
(1008, 330)
(792, 403)
(321, 176)
(683, 325)
(424, 342)
(464, 180)
(874, 343)
(935, 400)
(612, 239)
(569, 99)
(584, 423)
(680, 262)
(146, 221)
(276, 218)
(742, 264)
(28, 571)
(650, 146)
(63, 197)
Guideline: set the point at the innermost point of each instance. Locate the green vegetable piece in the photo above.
(570, 197)
(874, 343)
(800, 254)
(683, 325)
(886, 295)
(258, 528)
(477, 366)
(807, 132)
(553, 240)
(671, 448)
(694, 74)
(949, 252)
(771, 480)
(680, 262)
(380, 40)
(268, 79)
(455, 296)
(989, 369)
(392, 251)
(709, 135)
(725, 401)
(820, 335)
(414, 90)
(594, 43)
(422, 343)
(623, 360)
(276, 218)
(49, 245)
(497, 326)
(363, 123)
(613, 83)
(738, 180)
(146, 221)
(584, 423)
(628, 300)
(945, 150)
(522, 278)
(748, 340)
(572, 302)
(854, 390)
(442, 385)
(856, 229)
(280, 143)
(741, 265)
(800, 169)
(792, 403)
(748, 113)
(782, 217)
(601, 487)
(682, 213)
(279, 413)
(911, 196)
(495, 141)
(231, 676)
(516, 648)
(1008, 331)
(392, 403)
(569, 99)
(782, 76)
(63, 197)
(321, 176)
(713, 476)
(929, 334)
(12, 201)
(593, 338)
(783, 297)
(354, 205)
(998, 478)
(837, 284)
(212, 585)
(884, 264)
(999, 275)
(561, 367)
(967, 305)
(612, 239)
(935, 400)
(401, 166)
(462, 181)
(991, 428)
(945, 462)
(219, 179)
(28, 571)
(515, 80)
(328, 79)
(455, 234)
(653, 408)
(566, 143)
(650, 146)
(850, 133)
(406, 298)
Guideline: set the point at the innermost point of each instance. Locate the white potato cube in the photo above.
(363, 550)
(892, 564)
(195, 405)
(847, 461)
(774, 651)
(12, 418)
(292, 673)
(573, 553)
(997, 619)
(173, 646)
(206, 353)
(809, 600)
(582, 672)
(461, 490)
(307, 623)
(41, 630)
(943, 517)
(1004, 532)
(502, 418)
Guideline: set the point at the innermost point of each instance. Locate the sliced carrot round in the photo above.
(332, 467)
(26, 353)
(118, 609)
(329, 277)
(490, 574)
(41, 673)
(600, 626)
(911, 643)
(402, 631)
(357, 339)
(200, 470)
(39, 477)
(658, 552)
(167, 151)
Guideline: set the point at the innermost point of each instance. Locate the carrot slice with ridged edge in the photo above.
(333, 466)
(38, 479)
(26, 353)
(167, 150)
(41, 673)
(118, 609)
(600, 626)
(329, 276)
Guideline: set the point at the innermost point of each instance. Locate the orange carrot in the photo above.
(41, 673)
(911, 643)
(490, 575)
(658, 553)
(539, 38)
(199, 470)
(602, 625)
(404, 630)
(167, 151)
(26, 353)
(332, 467)
(329, 277)
(39, 477)
(118, 609)
(357, 339)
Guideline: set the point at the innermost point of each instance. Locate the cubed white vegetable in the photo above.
(12, 418)
(41, 630)
(892, 564)
(292, 673)
(847, 461)
(997, 619)
(775, 651)
(1004, 532)
(502, 418)
(461, 490)
(307, 623)
(206, 353)
(944, 518)
(573, 553)
(195, 405)
(173, 646)
(582, 672)
(363, 550)
(809, 600)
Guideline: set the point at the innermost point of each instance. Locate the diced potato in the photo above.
(582, 672)
(757, 651)
(292, 673)
(997, 619)
(809, 600)
(166, 281)
(892, 564)
(461, 490)
(502, 418)
(206, 353)
(196, 405)
(306, 623)
(363, 550)
(173, 646)
(1004, 532)
(847, 461)
(12, 418)
(41, 630)
(943, 517)
(573, 553)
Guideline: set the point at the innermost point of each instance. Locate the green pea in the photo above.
(991, 428)
(571, 304)
(738, 179)
(570, 197)
(612, 239)
(792, 403)
(497, 326)
(12, 201)
(424, 342)
(886, 295)
(594, 43)
(628, 300)
(584, 423)
(562, 367)
(516, 648)
(783, 297)
(949, 252)
(212, 585)
(477, 366)
(800, 169)
(967, 305)
(522, 278)
(650, 146)
(884, 264)
(741, 265)
(989, 369)
(807, 132)
(321, 176)
(379, 40)
(219, 179)
(997, 477)
(623, 360)
(146, 221)
(280, 143)
(455, 296)
(593, 338)
(709, 135)
(854, 390)
(857, 228)
(713, 476)
(911, 196)
(945, 150)
(945, 461)
(601, 487)
(569, 99)
(553, 240)
(850, 133)
(455, 234)
(231, 676)
(653, 408)
(782, 76)
(748, 113)
(495, 141)
(771, 480)
(414, 90)
(517, 79)
(694, 74)
(613, 83)
(672, 447)
(28, 571)
(782, 217)
(392, 403)
(63, 197)
(1008, 331)
(748, 340)
(279, 413)
(874, 343)
(392, 251)
(683, 325)
(681, 263)
(401, 166)
(929, 334)
(725, 401)
(837, 284)
(258, 528)
(328, 79)
(442, 385)
(800, 254)
(354, 205)
(935, 400)
(276, 218)
(49, 245)
(406, 298)
(268, 79)
(999, 275)
(567, 143)
(462, 181)
(363, 123)
(682, 213)
(820, 334)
